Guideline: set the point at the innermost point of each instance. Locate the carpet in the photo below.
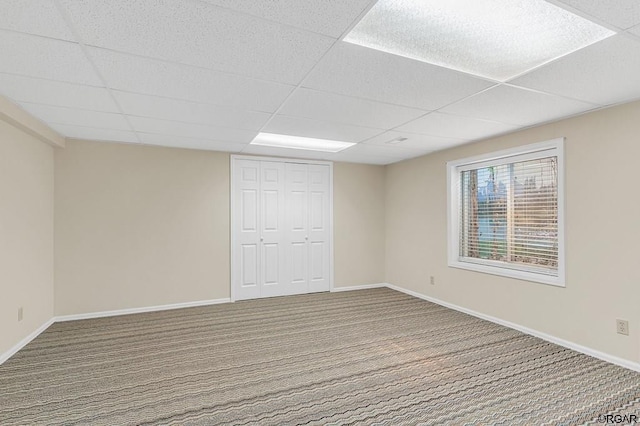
(361, 357)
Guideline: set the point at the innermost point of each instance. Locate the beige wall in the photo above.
(359, 208)
(602, 221)
(140, 226)
(26, 234)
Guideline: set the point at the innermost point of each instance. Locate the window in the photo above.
(506, 213)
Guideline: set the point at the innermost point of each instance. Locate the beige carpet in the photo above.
(361, 357)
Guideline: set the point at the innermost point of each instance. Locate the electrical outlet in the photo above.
(20, 312)
(622, 327)
(432, 280)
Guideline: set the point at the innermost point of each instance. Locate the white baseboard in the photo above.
(549, 338)
(22, 343)
(145, 309)
(8, 354)
(567, 344)
(358, 287)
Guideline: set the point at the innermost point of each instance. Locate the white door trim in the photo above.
(232, 223)
(280, 159)
(233, 218)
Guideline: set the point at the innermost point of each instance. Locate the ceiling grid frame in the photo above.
(267, 103)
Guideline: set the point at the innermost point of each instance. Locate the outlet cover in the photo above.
(622, 327)
(20, 312)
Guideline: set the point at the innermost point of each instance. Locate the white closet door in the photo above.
(319, 228)
(273, 280)
(281, 231)
(247, 229)
(297, 223)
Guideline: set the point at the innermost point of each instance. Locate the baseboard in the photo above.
(565, 343)
(359, 287)
(8, 354)
(22, 343)
(549, 338)
(145, 309)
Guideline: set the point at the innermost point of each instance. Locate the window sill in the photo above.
(510, 273)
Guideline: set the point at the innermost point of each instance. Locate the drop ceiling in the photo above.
(212, 74)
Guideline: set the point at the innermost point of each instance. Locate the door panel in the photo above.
(319, 232)
(318, 175)
(297, 210)
(297, 199)
(246, 250)
(248, 265)
(271, 173)
(317, 211)
(273, 280)
(271, 210)
(250, 174)
(298, 264)
(249, 210)
(317, 261)
(271, 262)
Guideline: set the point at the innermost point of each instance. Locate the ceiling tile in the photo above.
(388, 151)
(35, 90)
(190, 130)
(295, 126)
(455, 126)
(190, 143)
(39, 17)
(517, 106)
(604, 73)
(77, 117)
(348, 110)
(42, 57)
(414, 141)
(366, 73)
(153, 77)
(364, 154)
(199, 34)
(92, 133)
(620, 13)
(328, 17)
(189, 112)
(366, 159)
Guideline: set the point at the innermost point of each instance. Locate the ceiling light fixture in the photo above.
(496, 39)
(299, 142)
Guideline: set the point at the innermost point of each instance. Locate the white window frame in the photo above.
(551, 148)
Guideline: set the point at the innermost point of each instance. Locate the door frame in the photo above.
(233, 217)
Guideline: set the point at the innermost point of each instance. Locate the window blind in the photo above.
(509, 215)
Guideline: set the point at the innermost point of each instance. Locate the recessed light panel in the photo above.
(299, 142)
(497, 39)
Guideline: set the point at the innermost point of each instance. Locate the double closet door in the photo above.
(281, 236)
